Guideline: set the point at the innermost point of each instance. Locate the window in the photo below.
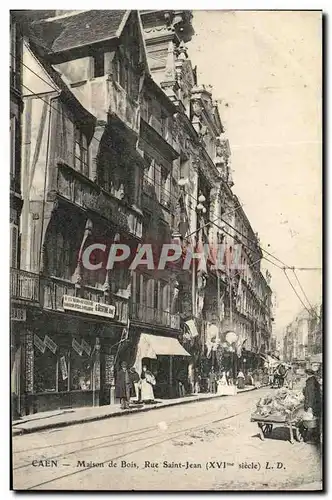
(12, 146)
(45, 371)
(123, 74)
(81, 369)
(13, 54)
(81, 152)
(99, 65)
(159, 177)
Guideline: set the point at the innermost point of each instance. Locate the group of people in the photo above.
(129, 384)
(257, 377)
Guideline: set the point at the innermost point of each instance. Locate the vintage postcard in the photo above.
(166, 250)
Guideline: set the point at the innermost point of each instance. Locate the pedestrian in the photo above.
(240, 380)
(147, 382)
(135, 380)
(266, 377)
(198, 384)
(212, 381)
(229, 378)
(248, 378)
(123, 386)
(313, 398)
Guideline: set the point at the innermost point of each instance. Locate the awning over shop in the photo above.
(270, 361)
(164, 346)
(151, 346)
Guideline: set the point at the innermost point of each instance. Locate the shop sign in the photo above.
(18, 314)
(63, 366)
(77, 347)
(71, 303)
(86, 347)
(109, 369)
(39, 343)
(50, 344)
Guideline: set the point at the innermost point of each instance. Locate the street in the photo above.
(207, 445)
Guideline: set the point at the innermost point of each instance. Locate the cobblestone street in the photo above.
(208, 445)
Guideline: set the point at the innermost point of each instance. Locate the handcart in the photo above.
(292, 421)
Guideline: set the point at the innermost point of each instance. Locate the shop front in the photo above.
(64, 361)
(167, 360)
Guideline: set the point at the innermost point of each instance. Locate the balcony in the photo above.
(102, 96)
(159, 194)
(24, 285)
(53, 290)
(49, 292)
(146, 314)
(80, 191)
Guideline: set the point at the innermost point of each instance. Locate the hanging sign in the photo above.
(109, 369)
(39, 343)
(87, 306)
(86, 347)
(77, 347)
(63, 366)
(50, 344)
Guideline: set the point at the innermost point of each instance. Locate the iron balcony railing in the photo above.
(151, 315)
(159, 193)
(53, 289)
(24, 285)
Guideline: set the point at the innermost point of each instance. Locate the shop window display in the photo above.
(45, 368)
(81, 368)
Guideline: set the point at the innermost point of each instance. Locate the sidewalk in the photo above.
(63, 418)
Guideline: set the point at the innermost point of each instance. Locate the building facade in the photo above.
(303, 337)
(122, 145)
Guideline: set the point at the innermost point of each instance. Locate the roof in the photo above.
(81, 29)
(66, 94)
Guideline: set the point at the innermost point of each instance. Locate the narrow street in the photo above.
(153, 451)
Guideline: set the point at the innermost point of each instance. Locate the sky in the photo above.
(265, 71)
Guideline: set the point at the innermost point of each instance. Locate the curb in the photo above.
(57, 425)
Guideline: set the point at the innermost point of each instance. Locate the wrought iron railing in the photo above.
(24, 285)
(160, 193)
(53, 290)
(147, 314)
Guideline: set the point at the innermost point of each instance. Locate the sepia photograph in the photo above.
(166, 296)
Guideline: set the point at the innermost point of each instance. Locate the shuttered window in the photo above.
(13, 245)
(81, 152)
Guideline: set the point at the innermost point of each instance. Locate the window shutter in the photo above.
(68, 139)
(13, 245)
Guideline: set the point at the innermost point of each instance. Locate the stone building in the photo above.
(303, 336)
(17, 309)
(122, 145)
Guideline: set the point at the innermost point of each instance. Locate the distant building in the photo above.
(303, 336)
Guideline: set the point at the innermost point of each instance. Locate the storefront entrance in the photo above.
(167, 360)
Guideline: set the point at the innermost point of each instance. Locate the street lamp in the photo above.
(182, 182)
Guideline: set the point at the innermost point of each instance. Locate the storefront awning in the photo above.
(164, 346)
(151, 346)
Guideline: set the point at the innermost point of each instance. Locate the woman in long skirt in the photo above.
(147, 383)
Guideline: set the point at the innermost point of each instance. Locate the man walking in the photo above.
(123, 386)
